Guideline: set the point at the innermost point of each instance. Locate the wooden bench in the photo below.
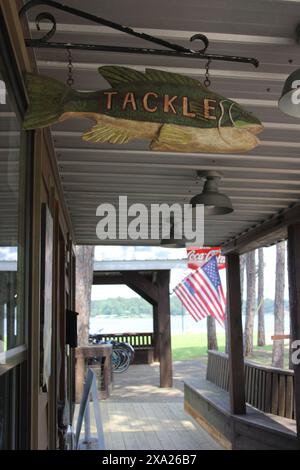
(268, 389)
(143, 344)
(209, 405)
(268, 423)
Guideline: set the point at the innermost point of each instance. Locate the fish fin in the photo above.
(170, 136)
(155, 75)
(117, 76)
(46, 101)
(107, 133)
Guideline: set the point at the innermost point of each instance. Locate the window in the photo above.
(11, 318)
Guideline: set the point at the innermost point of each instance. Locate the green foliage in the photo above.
(269, 306)
(132, 307)
(194, 346)
(138, 307)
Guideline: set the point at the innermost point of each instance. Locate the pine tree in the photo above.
(250, 303)
(278, 345)
(212, 342)
(261, 337)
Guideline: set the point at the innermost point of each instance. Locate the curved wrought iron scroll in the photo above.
(171, 49)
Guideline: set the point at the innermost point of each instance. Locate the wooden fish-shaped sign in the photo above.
(173, 111)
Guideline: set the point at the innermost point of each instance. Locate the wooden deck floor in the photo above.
(141, 416)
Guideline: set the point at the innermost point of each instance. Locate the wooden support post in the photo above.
(155, 334)
(164, 328)
(141, 285)
(235, 336)
(294, 296)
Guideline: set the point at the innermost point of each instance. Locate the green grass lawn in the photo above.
(194, 345)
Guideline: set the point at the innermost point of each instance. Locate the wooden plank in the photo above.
(222, 366)
(259, 388)
(263, 390)
(106, 425)
(275, 389)
(137, 426)
(294, 298)
(252, 397)
(281, 395)
(268, 396)
(164, 433)
(151, 420)
(116, 436)
(217, 372)
(252, 386)
(247, 371)
(227, 376)
(235, 334)
(212, 368)
(142, 285)
(289, 397)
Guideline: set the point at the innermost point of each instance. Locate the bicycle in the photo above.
(122, 353)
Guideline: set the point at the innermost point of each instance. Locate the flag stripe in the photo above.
(186, 305)
(202, 294)
(208, 297)
(211, 291)
(200, 304)
(205, 283)
(204, 301)
(190, 301)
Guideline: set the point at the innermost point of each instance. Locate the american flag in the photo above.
(202, 294)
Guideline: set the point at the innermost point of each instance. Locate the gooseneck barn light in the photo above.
(214, 202)
(289, 102)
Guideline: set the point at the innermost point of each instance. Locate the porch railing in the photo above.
(267, 388)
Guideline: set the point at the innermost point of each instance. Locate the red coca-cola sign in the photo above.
(198, 256)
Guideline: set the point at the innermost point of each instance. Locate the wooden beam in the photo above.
(294, 298)
(155, 333)
(101, 278)
(164, 329)
(141, 285)
(268, 232)
(235, 336)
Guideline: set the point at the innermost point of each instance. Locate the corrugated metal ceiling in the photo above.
(260, 183)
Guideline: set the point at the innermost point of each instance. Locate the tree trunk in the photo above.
(250, 303)
(278, 345)
(261, 338)
(84, 281)
(212, 342)
(242, 273)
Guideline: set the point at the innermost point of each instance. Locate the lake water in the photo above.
(179, 325)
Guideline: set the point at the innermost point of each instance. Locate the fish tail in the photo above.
(47, 97)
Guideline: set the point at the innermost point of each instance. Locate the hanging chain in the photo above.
(70, 79)
(207, 81)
